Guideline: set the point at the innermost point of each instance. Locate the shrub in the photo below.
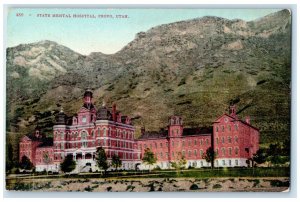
(194, 187)
(217, 186)
(88, 188)
(130, 187)
(108, 188)
(278, 183)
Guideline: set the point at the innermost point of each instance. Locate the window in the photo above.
(201, 142)
(223, 162)
(223, 140)
(217, 140)
(183, 143)
(236, 127)
(167, 154)
(201, 153)
(172, 143)
(195, 152)
(177, 131)
(229, 128)
(236, 162)
(104, 132)
(229, 162)
(223, 151)
(161, 145)
(173, 154)
(217, 151)
(189, 143)
(195, 142)
(183, 153)
(207, 142)
(167, 144)
(99, 132)
(93, 134)
(229, 139)
(236, 151)
(161, 154)
(190, 153)
(217, 129)
(222, 128)
(230, 151)
(155, 145)
(236, 139)
(83, 119)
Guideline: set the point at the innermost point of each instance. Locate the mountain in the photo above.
(191, 68)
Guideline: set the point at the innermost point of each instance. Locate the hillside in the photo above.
(191, 68)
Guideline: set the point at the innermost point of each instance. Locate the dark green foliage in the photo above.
(194, 187)
(260, 156)
(116, 161)
(108, 188)
(88, 188)
(209, 156)
(130, 188)
(26, 163)
(278, 183)
(149, 157)
(217, 186)
(9, 158)
(101, 159)
(68, 164)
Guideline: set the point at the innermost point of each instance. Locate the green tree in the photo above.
(101, 159)
(116, 161)
(9, 157)
(260, 156)
(209, 156)
(179, 163)
(149, 158)
(68, 164)
(274, 152)
(26, 163)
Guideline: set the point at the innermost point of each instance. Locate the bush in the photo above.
(194, 187)
(130, 187)
(278, 183)
(217, 186)
(108, 188)
(88, 188)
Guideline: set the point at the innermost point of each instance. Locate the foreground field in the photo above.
(151, 184)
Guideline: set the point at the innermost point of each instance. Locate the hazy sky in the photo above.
(106, 35)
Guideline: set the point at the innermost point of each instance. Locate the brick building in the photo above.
(233, 140)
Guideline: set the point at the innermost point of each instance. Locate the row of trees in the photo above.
(276, 154)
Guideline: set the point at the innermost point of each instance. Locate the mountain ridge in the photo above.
(191, 68)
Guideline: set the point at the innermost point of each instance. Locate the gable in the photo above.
(224, 119)
(83, 110)
(25, 139)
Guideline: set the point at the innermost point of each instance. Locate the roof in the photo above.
(154, 134)
(236, 119)
(197, 131)
(46, 142)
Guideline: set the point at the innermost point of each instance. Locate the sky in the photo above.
(106, 35)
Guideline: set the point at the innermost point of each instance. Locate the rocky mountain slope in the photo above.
(192, 68)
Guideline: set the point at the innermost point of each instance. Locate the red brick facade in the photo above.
(233, 140)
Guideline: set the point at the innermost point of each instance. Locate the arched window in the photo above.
(236, 151)
(104, 132)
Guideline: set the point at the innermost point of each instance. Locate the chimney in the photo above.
(114, 111)
(247, 119)
(143, 130)
(232, 110)
(37, 133)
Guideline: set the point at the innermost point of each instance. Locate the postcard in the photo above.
(148, 100)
